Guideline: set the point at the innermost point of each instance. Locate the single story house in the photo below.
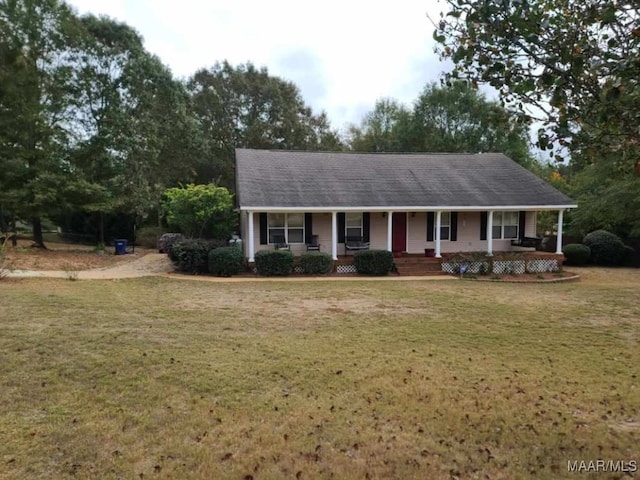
(445, 202)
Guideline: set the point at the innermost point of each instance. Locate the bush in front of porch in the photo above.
(274, 262)
(316, 262)
(373, 262)
(226, 261)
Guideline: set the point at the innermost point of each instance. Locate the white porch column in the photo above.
(251, 239)
(389, 231)
(490, 233)
(334, 235)
(438, 223)
(559, 239)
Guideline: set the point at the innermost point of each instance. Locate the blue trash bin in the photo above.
(121, 247)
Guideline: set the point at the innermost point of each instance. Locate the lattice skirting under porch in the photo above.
(509, 267)
(339, 269)
(346, 269)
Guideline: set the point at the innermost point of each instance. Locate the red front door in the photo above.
(399, 232)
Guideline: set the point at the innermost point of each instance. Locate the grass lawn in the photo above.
(159, 378)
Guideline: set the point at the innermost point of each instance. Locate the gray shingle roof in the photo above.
(277, 178)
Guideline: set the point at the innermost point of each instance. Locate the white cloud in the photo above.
(350, 53)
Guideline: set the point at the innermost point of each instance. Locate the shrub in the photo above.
(148, 236)
(274, 262)
(606, 247)
(576, 253)
(226, 261)
(192, 255)
(630, 258)
(316, 262)
(173, 251)
(373, 262)
(166, 240)
(200, 210)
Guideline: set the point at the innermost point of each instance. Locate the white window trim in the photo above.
(286, 230)
(498, 218)
(347, 227)
(442, 224)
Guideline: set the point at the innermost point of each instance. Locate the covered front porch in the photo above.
(424, 231)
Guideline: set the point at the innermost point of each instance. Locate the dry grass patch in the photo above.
(65, 257)
(177, 379)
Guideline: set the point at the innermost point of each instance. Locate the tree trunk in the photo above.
(101, 220)
(38, 239)
(14, 237)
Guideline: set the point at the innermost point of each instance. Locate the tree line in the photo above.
(574, 67)
(91, 122)
(92, 125)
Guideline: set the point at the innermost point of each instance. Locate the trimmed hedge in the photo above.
(274, 262)
(576, 254)
(606, 247)
(192, 255)
(226, 261)
(316, 262)
(373, 262)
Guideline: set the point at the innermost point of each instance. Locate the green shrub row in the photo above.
(274, 262)
(576, 254)
(373, 262)
(316, 263)
(192, 255)
(226, 261)
(606, 247)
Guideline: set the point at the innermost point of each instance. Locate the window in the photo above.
(289, 226)
(445, 226)
(505, 225)
(353, 224)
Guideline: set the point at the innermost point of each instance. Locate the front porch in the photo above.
(477, 263)
(406, 232)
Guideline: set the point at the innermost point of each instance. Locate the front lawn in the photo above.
(159, 378)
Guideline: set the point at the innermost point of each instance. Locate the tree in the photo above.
(200, 210)
(246, 107)
(385, 129)
(132, 127)
(458, 118)
(570, 64)
(449, 118)
(573, 66)
(35, 108)
(608, 195)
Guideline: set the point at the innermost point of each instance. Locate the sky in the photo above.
(342, 55)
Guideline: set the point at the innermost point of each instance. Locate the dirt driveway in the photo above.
(149, 264)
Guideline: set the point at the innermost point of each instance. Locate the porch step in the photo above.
(417, 260)
(419, 269)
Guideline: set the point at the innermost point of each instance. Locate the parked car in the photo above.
(168, 239)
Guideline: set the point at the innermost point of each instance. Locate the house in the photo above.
(410, 203)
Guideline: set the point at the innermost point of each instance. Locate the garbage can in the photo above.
(121, 246)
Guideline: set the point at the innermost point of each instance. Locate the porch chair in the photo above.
(279, 243)
(313, 244)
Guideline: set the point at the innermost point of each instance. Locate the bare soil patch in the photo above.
(63, 256)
